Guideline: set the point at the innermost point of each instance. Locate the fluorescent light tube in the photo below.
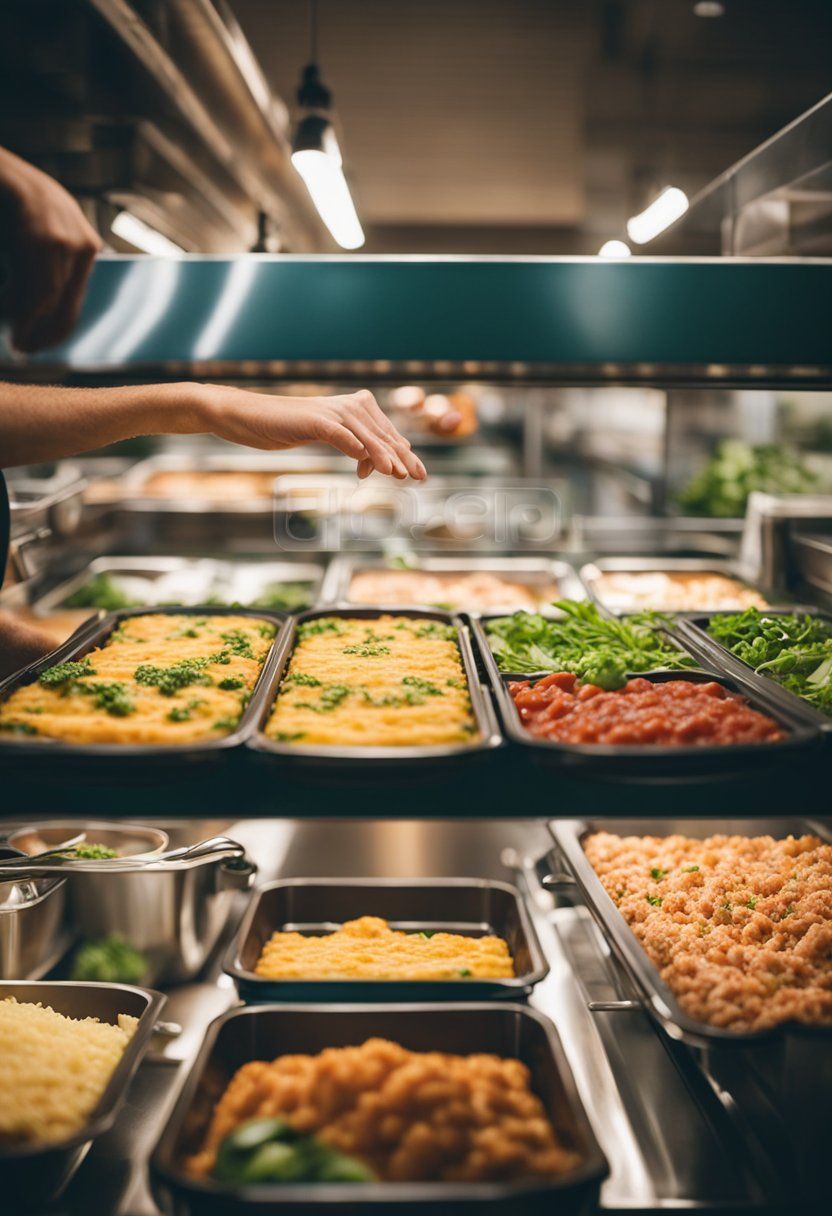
(671, 204)
(614, 249)
(324, 176)
(136, 232)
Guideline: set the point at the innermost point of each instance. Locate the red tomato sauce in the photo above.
(673, 713)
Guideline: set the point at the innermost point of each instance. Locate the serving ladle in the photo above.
(45, 865)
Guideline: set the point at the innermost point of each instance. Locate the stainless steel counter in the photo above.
(670, 1142)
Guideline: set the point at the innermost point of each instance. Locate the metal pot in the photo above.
(34, 933)
(129, 840)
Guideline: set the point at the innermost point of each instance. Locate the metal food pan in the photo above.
(694, 632)
(276, 463)
(592, 572)
(314, 906)
(367, 760)
(661, 763)
(164, 581)
(264, 1032)
(660, 1002)
(532, 572)
(92, 635)
(34, 1175)
(812, 553)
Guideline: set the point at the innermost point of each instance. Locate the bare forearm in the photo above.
(45, 422)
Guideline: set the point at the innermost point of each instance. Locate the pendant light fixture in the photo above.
(316, 154)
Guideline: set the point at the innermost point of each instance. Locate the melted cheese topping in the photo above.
(158, 679)
(368, 948)
(387, 682)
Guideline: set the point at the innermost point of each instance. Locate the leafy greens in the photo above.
(600, 650)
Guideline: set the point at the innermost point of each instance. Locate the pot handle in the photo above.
(236, 874)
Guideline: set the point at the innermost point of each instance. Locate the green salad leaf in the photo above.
(795, 649)
(601, 650)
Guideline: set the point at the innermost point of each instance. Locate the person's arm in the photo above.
(50, 249)
(39, 423)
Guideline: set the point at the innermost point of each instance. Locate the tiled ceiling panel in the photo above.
(462, 113)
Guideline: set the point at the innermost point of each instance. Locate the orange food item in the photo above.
(411, 1116)
(675, 713)
(739, 927)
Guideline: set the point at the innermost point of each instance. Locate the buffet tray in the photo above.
(365, 761)
(652, 764)
(812, 555)
(694, 632)
(591, 574)
(263, 1032)
(532, 572)
(165, 581)
(33, 1175)
(667, 764)
(134, 498)
(94, 633)
(659, 1000)
(470, 906)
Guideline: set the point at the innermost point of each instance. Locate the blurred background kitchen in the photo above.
(615, 129)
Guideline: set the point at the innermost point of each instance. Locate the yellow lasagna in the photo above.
(391, 681)
(367, 948)
(159, 678)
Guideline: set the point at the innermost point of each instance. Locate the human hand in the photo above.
(353, 423)
(51, 250)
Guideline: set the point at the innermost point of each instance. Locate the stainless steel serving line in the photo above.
(673, 1140)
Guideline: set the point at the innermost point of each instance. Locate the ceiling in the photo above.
(540, 125)
(468, 126)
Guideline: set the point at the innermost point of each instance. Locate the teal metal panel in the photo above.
(568, 313)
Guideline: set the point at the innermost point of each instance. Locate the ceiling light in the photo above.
(614, 249)
(709, 8)
(671, 204)
(317, 156)
(136, 232)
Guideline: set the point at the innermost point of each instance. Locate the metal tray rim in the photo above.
(519, 983)
(568, 835)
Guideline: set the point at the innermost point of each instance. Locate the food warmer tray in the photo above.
(660, 765)
(145, 759)
(672, 1141)
(694, 632)
(34, 1175)
(277, 463)
(533, 572)
(660, 1001)
(473, 907)
(591, 573)
(262, 1032)
(165, 581)
(373, 761)
(776, 1084)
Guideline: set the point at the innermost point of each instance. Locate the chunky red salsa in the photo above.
(673, 713)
